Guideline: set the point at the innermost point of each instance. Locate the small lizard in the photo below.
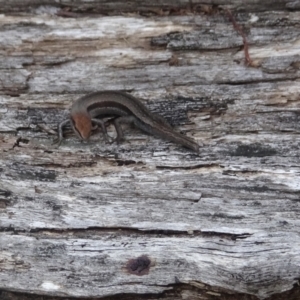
(85, 113)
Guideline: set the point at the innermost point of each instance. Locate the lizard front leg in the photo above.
(60, 137)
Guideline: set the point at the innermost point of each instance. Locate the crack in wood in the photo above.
(193, 167)
(125, 232)
(20, 140)
(121, 162)
(261, 80)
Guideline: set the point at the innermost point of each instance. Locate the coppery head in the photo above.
(82, 125)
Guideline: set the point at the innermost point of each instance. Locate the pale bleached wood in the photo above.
(71, 218)
(97, 266)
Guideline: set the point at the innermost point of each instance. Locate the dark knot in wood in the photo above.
(139, 266)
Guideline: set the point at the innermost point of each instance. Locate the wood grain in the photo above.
(148, 216)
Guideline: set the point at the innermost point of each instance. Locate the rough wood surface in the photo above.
(148, 216)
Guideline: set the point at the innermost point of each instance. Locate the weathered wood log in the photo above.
(149, 217)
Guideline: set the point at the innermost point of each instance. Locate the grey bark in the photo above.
(148, 216)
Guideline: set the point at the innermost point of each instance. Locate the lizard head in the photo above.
(82, 125)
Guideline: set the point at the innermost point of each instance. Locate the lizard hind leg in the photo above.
(117, 123)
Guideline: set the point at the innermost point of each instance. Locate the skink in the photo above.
(86, 114)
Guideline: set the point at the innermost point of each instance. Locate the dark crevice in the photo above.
(9, 295)
(23, 128)
(71, 165)
(230, 236)
(5, 198)
(13, 93)
(5, 193)
(195, 291)
(253, 150)
(128, 231)
(253, 81)
(20, 140)
(121, 162)
(199, 166)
